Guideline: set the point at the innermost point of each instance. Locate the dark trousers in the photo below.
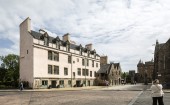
(159, 99)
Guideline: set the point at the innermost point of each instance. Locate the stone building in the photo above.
(132, 76)
(162, 62)
(47, 61)
(110, 72)
(145, 71)
(103, 60)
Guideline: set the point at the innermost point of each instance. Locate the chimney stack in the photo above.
(66, 37)
(89, 46)
(103, 60)
(26, 25)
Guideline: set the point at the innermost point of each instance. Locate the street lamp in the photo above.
(85, 69)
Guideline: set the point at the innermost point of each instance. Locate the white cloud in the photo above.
(122, 29)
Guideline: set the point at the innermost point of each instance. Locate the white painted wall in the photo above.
(26, 52)
(34, 59)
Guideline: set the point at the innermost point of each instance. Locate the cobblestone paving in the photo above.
(84, 97)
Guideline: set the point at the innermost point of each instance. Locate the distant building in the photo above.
(162, 62)
(145, 71)
(132, 76)
(47, 61)
(103, 60)
(110, 72)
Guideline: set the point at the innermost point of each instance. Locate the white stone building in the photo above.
(46, 61)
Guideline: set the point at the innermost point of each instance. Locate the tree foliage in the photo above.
(9, 67)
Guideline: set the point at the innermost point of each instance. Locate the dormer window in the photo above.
(45, 37)
(95, 55)
(67, 46)
(57, 45)
(94, 52)
(80, 49)
(81, 52)
(88, 52)
(46, 41)
(57, 42)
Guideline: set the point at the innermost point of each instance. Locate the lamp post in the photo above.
(85, 69)
(71, 71)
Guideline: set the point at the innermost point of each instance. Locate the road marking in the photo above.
(134, 99)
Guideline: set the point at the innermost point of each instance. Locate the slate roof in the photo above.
(107, 67)
(116, 65)
(104, 68)
(40, 36)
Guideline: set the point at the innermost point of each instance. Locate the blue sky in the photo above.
(124, 30)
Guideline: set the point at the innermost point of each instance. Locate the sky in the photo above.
(123, 30)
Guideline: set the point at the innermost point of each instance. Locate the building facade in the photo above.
(110, 72)
(145, 71)
(132, 76)
(47, 61)
(162, 62)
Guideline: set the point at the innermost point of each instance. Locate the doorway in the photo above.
(78, 83)
(53, 84)
(88, 83)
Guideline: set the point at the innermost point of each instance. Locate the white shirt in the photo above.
(157, 90)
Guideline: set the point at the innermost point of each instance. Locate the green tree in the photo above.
(2, 74)
(11, 64)
(123, 75)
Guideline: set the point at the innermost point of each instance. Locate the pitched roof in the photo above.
(40, 36)
(116, 65)
(104, 68)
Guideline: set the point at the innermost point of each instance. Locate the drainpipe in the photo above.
(85, 69)
(71, 72)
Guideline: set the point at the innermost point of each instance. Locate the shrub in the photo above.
(2, 86)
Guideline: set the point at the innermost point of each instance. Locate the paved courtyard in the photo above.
(115, 95)
(81, 97)
(146, 99)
